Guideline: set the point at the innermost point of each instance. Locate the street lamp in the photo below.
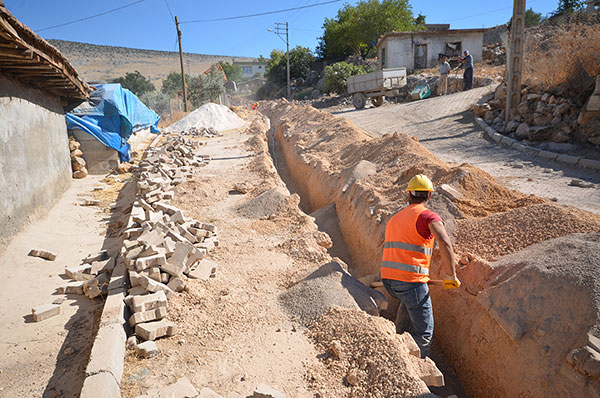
(279, 32)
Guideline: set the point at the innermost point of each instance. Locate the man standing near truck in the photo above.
(407, 251)
(467, 62)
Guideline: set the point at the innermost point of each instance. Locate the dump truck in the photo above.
(376, 85)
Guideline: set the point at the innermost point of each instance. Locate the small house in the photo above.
(420, 50)
(37, 86)
(252, 68)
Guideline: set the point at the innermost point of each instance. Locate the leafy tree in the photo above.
(300, 60)
(136, 83)
(206, 87)
(420, 19)
(568, 6)
(172, 84)
(533, 18)
(233, 72)
(158, 102)
(337, 74)
(355, 29)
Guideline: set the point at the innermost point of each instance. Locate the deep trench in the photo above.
(327, 220)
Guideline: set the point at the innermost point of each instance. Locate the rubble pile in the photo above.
(77, 161)
(207, 132)
(494, 54)
(543, 116)
(162, 247)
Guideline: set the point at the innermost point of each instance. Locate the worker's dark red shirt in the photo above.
(423, 221)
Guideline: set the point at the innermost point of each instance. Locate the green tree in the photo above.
(337, 74)
(233, 72)
(533, 18)
(135, 82)
(568, 6)
(300, 60)
(158, 102)
(207, 87)
(355, 29)
(172, 84)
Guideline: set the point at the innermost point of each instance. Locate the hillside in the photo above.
(100, 64)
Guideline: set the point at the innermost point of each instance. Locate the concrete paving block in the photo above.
(430, 374)
(100, 256)
(97, 286)
(149, 349)
(547, 155)
(101, 385)
(199, 233)
(102, 266)
(134, 278)
(71, 271)
(568, 159)
(169, 246)
(45, 311)
(204, 270)
(151, 261)
(108, 351)
(176, 284)
(507, 141)
(519, 147)
(451, 192)
(195, 256)
(74, 287)
(264, 391)
(45, 254)
(151, 238)
(149, 302)
(410, 344)
(153, 286)
(132, 233)
(114, 309)
(589, 163)
(166, 208)
(155, 330)
(209, 227)
(530, 150)
(178, 217)
(186, 234)
(147, 316)
(136, 291)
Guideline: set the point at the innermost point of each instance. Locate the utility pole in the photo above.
(279, 32)
(185, 107)
(514, 61)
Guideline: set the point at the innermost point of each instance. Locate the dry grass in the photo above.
(563, 55)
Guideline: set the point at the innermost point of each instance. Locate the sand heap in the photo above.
(218, 117)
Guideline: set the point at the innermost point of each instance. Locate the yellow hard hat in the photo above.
(420, 182)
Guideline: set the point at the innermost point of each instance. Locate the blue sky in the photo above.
(148, 24)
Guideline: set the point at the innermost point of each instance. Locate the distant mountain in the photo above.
(101, 64)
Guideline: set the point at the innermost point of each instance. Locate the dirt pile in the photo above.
(322, 153)
(210, 115)
(366, 357)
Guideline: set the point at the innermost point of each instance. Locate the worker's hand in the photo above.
(451, 282)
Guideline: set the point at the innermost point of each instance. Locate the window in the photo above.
(247, 70)
(383, 57)
(453, 49)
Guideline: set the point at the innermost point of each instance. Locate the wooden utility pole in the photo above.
(514, 61)
(287, 53)
(185, 107)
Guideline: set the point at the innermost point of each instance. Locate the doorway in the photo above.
(420, 56)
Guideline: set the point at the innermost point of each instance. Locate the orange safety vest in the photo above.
(406, 254)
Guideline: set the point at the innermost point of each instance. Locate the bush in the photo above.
(136, 83)
(206, 87)
(337, 74)
(158, 102)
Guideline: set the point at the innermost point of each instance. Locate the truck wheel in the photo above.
(359, 100)
(377, 101)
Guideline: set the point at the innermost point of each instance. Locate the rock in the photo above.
(123, 168)
(45, 311)
(311, 78)
(264, 391)
(593, 103)
(45, 254)
(320, 84)
(323, 239)
(540, 133)
(73, 145)
(542, 119)
(560, 109)
(522, 131)
(81, 173)
(481, 109)
(76, 153)
(523, 108)
(352, 377)
(581, 184)
(496, 104)
(489, 117)
(533, 97)
(555, 120)
(335, 349)
(512, 126)
(77, 163)
(560, 136)
(315, 94)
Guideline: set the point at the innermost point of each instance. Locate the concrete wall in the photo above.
(35, 165)
(399, 51)
(251, 69)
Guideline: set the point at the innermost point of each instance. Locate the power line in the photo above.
(487, 12)
(169, 8)
(91, 16)
(262, 13)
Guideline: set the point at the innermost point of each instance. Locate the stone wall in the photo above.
(35, 167)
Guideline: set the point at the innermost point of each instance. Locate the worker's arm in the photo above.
(448, 260)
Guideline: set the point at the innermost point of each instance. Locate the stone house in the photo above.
(37, 85)
(419, 50)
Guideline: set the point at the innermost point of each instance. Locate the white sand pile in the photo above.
(208, 115)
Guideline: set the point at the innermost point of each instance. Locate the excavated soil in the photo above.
(326, 160)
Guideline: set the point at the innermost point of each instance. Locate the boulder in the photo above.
(542, 119)
(315, 94)
(320, 84)
(540, 133)
(489, 117)
(560, 109)
(481, 109)
(77, 163)
(523, 108)
(311, 78)
(559, 136)
(81, 173)
(512, 125)
(522, 131)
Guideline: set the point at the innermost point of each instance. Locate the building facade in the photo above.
(419, 50)
(251, 69)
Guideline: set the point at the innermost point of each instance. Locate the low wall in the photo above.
(35, 166)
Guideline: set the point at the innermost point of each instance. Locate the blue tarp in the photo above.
(111, 115)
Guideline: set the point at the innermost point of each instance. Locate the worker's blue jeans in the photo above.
(415, 300)
(468, 79)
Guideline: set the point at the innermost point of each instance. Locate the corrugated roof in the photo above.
(27, 57)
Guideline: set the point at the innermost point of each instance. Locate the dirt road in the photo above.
(446, 127)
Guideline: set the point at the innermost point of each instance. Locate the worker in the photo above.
(467, 63)
(443, 82)
(407, 251)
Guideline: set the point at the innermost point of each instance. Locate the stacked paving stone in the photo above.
(77, 161)
(90, 278)
(162, 247)
(207, 132)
